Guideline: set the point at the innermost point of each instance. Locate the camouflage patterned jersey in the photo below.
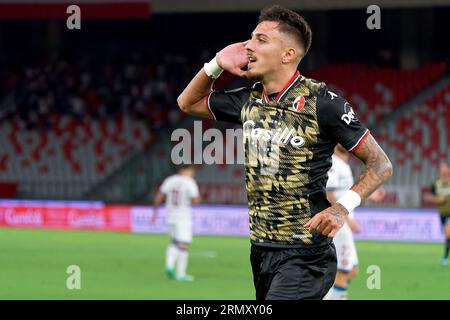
(289, 138)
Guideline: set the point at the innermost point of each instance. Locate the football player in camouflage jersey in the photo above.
(291, 125)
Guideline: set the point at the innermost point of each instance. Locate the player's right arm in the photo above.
(194, 98)
(195, 193)
(433, 198)
(157, 201)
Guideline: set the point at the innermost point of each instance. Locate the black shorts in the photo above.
(293, 273)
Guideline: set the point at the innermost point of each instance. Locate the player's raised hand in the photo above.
(329, 221)
(233, 57)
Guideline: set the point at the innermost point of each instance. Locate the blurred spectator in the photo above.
(91, 87)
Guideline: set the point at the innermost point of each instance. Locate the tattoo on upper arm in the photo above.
(378, 167)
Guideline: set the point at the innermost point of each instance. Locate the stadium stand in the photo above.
(377, 92)
(419, 137)
(63, 128)
(66, 127)
(409, 130)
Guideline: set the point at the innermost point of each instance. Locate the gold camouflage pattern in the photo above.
(277, 170)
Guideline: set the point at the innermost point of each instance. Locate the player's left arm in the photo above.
(340, 121)
(378, 168)
(377, 171)
(331, 196)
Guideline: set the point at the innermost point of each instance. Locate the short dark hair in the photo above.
(290, 22)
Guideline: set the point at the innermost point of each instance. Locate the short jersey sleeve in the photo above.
(339, 122)
(164, 188)
(227, 105)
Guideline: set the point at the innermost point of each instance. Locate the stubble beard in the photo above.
(254, 76)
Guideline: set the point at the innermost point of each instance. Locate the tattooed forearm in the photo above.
(378, 168)
(340, 213)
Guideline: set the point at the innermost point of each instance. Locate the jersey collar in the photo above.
(282, 94)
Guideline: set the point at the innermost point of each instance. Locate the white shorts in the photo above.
(347, 258)
(180, 231)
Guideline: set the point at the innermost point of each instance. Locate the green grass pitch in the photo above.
(33, 265)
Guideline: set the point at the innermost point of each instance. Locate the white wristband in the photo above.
(212, 69)
(350, 200)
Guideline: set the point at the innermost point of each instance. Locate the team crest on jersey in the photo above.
(298, 103)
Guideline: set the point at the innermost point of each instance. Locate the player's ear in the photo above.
(290, 55)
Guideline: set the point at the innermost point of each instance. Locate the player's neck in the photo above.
(183, 174)
(275, 82)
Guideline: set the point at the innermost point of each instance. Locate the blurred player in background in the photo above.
(340, 179)
(179, 191)
(440, 196)
(291, 126)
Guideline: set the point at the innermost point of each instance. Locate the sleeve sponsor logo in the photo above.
(349, 116)
(333, 95)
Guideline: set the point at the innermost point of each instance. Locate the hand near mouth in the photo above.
(233, 58)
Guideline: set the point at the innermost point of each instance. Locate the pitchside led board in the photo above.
(409, 225)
